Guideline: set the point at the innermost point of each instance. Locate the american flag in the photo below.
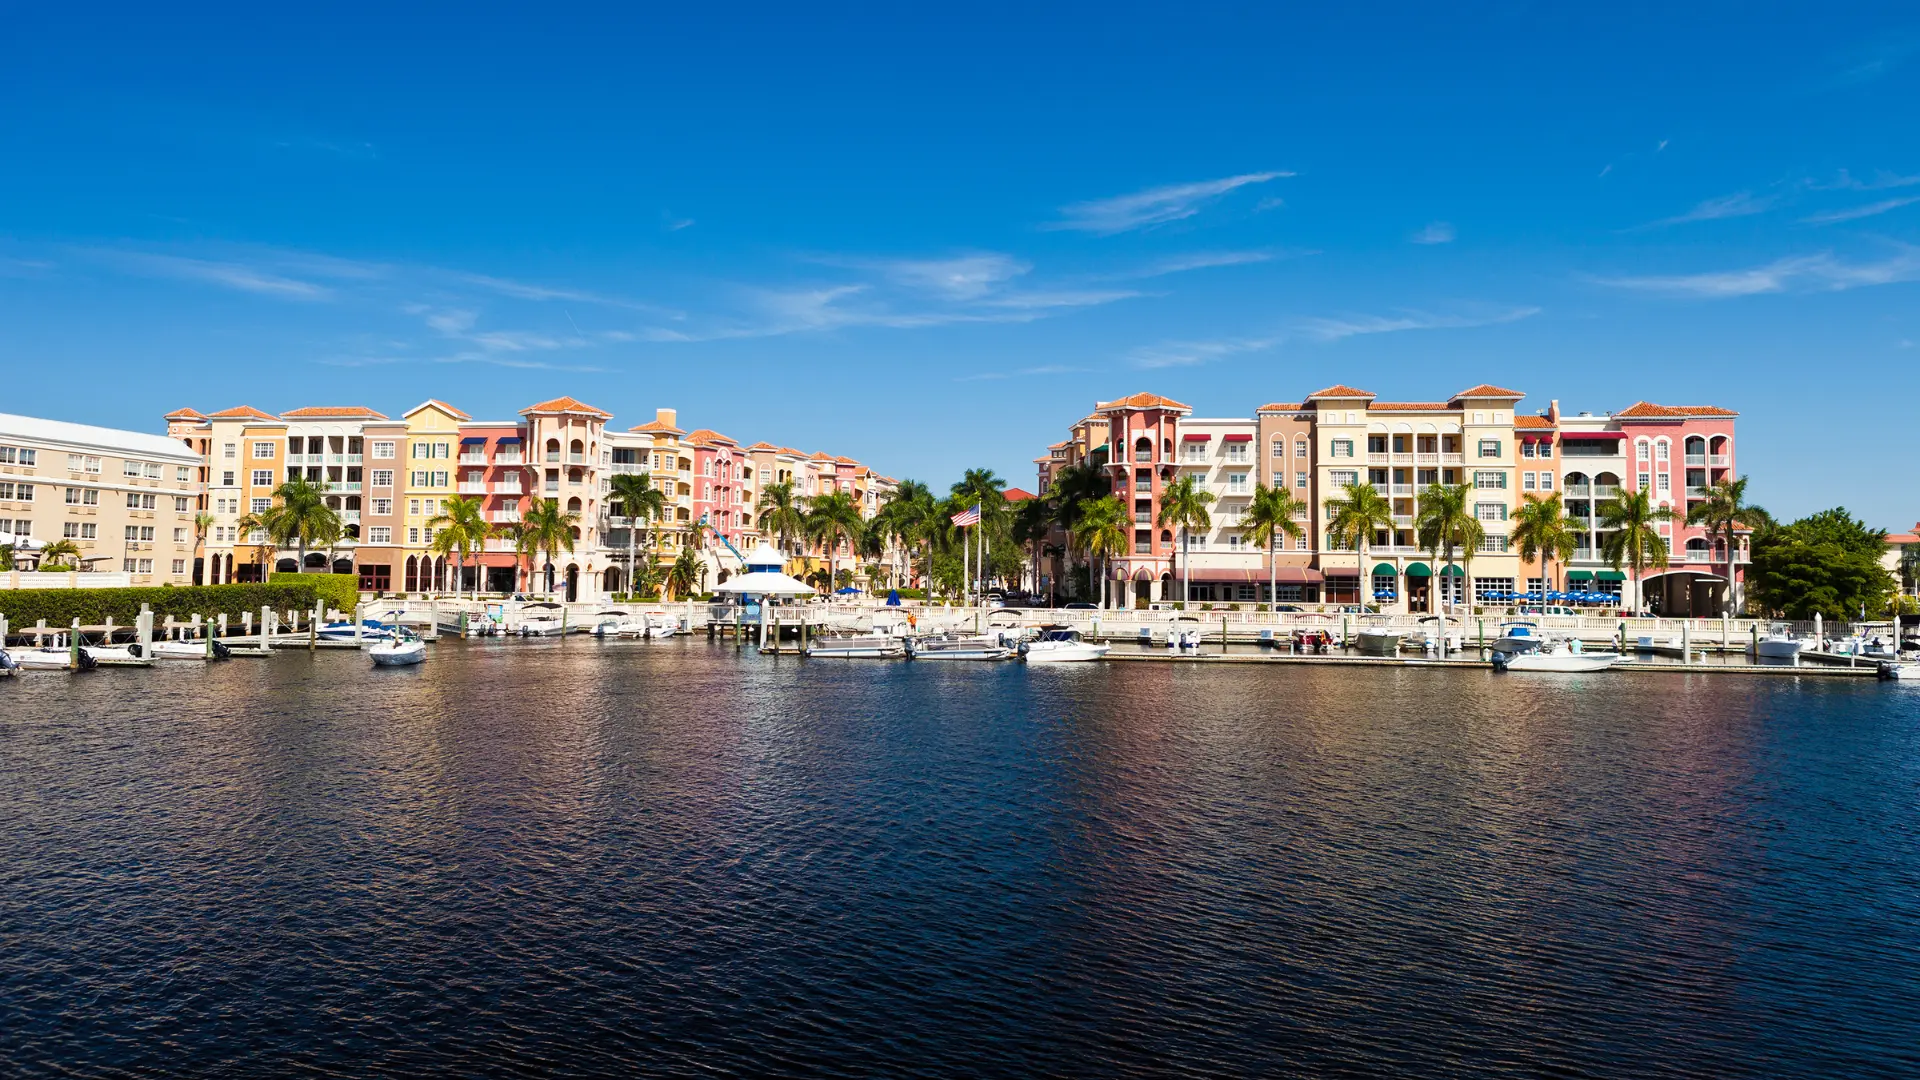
(970, 516)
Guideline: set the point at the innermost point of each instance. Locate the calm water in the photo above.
(672, 859)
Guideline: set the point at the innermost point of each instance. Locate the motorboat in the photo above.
(1184, 633)
(7, 664)
(542, 619)
(1781, 644)
(403, 649)
(858, 647)
(658, 624)
(1436, 637)
(191, 650)
(1888, 669)
(1314, 640)
(1378, 639)
(957, 647)
(343, 630)
(617, 623)
(49, 658)
(1061, 645)
(114, 653)
(1877, 648)
(1529, 653)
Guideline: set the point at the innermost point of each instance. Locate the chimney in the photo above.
(1553, 410)
(666, 416)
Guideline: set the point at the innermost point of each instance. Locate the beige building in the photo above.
(125, 499)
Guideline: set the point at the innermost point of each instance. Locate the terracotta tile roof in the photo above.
(241, 412)
(184, 414)
(1279, 406)
(1905, 538)
(1015, 494)
(846, 461)
(708, 437)
(1141, 401)
(568, 404)
(436, 403)
(1533, 422)
(660, 426)
(1062, 445)
(763, 446)
(1489, 390)
(1647, 410)
(331, 412)
(821, 455)
(1339, 391)
(791, 452)
(1409, 406)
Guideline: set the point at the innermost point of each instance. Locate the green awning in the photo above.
(1387, 569)
(1610, 575)
(1579, 575)
(1453, 571)
(1419, 569)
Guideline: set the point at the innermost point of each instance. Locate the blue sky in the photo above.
(932, 238)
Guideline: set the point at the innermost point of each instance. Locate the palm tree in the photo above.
(1269, 517)
(1444, 522)
(684, 572)
(203, 523)
(52, 554)
(1541, 527)
(914, 516)
(459, 530)
(1723, 512)
(1032, 520)
(251, 525)
(523, 548)
(871, 543)
(1635, 539)
(549, 528)
(302, 516)
(1355, 518)
(1183, 505)
(831, 518)
(1104, 530)
(6, 557)
(782, 513)
(638, 500)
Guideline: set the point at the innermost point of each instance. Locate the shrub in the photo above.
(340, 591)
(59, 607)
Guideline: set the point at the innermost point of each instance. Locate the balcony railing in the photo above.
(1720, 461)
(1142, 549)
(334, 487)
(1142, 518)
(1378, 459)
(507, 489)
(469, 487)
(1606, 491)
(630, 468)
(1696, 491)
(552, 487)
(473, 459)
(504, 517)
(1402, 489)
(1140, 457)
(1697, 460)
(508, 459)
(1452, 459)
(1427, 459)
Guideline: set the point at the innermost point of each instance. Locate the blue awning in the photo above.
(472, 439)
(509, 438)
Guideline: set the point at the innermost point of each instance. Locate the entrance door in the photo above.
(573, 583)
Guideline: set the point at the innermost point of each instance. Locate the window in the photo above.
(1662, 481)
(1279, 448)
(1344, 477)
(140, 532)
(1641, 449)
(1493, 544)
(1299, 479)
(1489, 447)
(1660, 450)
(179, 566)
(262, 478)
(1235, 541)
(262, 451)
(1490, 511)
(1236, 483)
(380, 534)
(179, 536)
(1546, 481)
(1526, 480)
(80, 530)
(1237, 452)
(439, 479)
(1485, 587)
(261, 506)
(183, 474)
(226, 478)
(1343, 448)
(1489, 479)
(1526, 449)
(130, 468)
(73, 496)
(383, 478)
(1300, 542)
(1646, 481)
(229, 451)
(1299, 448)
(138, 501)
(383, 507)
(383, 450)
(179, 504)
(1546, 449)
(413, 507)
(413, 535)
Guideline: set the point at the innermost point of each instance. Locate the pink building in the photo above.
(1676, 451)
(719, 497)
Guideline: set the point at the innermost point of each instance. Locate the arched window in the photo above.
(1643, 450)
(1660, 448)
(573, 505)
(413, 574)
(577, 448)
(1143, 449)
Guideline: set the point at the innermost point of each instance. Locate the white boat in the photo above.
(1528, 653)
(542, 619)
(956, 647)
(1781, 644)
(49, 658)
(616, 623)
(402, 649)
(658, 624)
(1430, 638)
(342, 630)
(1377, 640)
(111, 653)
(1061, 645)
(1184, 633)
(190, 650)
(1903, 672)
(858, 647)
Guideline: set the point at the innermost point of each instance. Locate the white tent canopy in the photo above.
(765, 583)
(21, 544)
(765, 555)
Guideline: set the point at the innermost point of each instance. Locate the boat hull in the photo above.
(1376, 644)
(1565, 663)
(1048, 652)
(1780, 650)
(403, 654)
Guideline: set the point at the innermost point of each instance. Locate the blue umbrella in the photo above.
(848, 591)
(893, 597)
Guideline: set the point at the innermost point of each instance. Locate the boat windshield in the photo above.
(1061, 635)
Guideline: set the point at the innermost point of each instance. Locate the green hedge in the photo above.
(340, 591)
(23, 607)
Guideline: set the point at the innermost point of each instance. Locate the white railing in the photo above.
(334, 487)
(1720, 461)
(1427, 459)
(504, 517)
(1378, 459)
(1402, 489)
(1452, 459)
(470, 487)
(473, 459)
(507, 489)
(508, 459)
(1697, 459)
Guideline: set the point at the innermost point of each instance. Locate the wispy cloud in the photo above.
(1436, 232)
(1189, 353)
(960, 277)
(521, 290)
(1881, 180)
(1806, 273)
(338, 148)
(1044, 369)
(1154, 206)
(1855, 213)
(1876, 61)
(1346, 326)
(1042, 299)
(1738, 204)
(673, 223)
(231, 275)
(1197, 260)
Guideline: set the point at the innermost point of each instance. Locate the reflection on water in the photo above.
(675, 858)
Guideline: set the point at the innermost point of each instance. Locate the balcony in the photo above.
(351, 517)
(1577, 491)
(1402, 459)
(301, 459)
(1403, 520)
(630, 468)
(1452, 459)
(1606, 491)
(473, 459)
(552, 487)
(1426, 459)
(498, 545)
(1142, 549)
(1378, 459)
(1401, 489)
(504, 517)
(1696, 491)
(1141, 457)
(507, 489)
(1140, 518)
(1720, 461)
(469, 487)
(353, 459)
(576, 459)
(508, 459)
(340, 487)
(1698, 461)
(553, 457)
